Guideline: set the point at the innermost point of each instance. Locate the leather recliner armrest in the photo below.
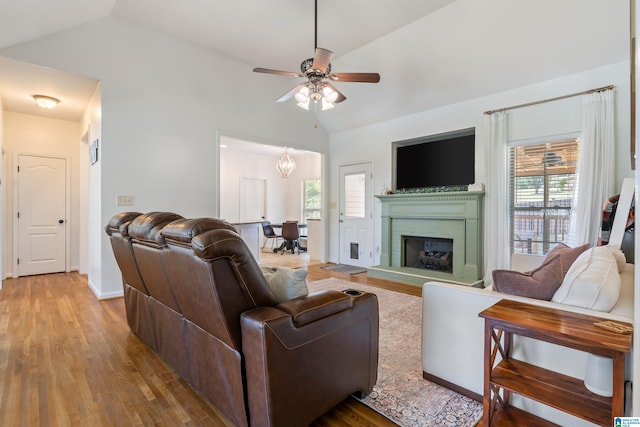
(298, 370)
(307, 309)
(305, 318)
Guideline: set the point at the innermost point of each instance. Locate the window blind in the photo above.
(542, 179)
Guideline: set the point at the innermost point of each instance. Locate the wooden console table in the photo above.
(559, 391)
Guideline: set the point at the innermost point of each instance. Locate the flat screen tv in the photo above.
(444, 160)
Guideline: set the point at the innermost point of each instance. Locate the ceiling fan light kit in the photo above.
(318, 88)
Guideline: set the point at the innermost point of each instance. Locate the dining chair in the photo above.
(290, 235)
(269, 234)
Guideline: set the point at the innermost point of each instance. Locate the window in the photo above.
(542, 180)
(311, 199)
(355, 195)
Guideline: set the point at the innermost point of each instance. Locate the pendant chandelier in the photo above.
(285, 165)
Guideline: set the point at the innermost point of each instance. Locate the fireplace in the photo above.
(428, 253)
(431, 236)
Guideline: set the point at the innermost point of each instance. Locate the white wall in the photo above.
(307, 167)
(373, 143)
(89, 193)
(235, 165)
(163, 104)
(27, 134)
(283, 195)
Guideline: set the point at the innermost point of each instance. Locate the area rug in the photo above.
(345, 268)
(401, 394)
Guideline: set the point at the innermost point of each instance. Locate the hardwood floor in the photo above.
(69, 359)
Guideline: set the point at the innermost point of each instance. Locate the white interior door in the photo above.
(2, 208)
(41, 215)
(252, 199)
(356, 214)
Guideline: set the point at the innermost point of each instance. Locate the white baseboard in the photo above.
(102, 296)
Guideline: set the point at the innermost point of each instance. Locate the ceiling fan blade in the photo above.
(340, 97)
(321, 59)
(292, 92)
(356, 77)
(278, 72)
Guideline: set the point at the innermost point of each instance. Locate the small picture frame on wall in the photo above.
(93, 152)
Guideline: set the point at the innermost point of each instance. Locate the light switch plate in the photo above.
(124, 200)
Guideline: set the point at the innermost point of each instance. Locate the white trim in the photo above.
(303, 209)
(542, 139)
(635, 70)
(101, 296)
(3, 211)
(324, 177)
(14, 212)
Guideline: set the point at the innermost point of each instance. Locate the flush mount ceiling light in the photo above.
(45, 101)
(317, 70)
(285, 165)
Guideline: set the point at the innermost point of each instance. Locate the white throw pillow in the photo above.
(593, 281)
(286, 283)
(621, 260)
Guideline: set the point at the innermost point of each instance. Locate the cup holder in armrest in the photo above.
(352, 292)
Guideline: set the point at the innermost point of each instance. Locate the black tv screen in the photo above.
(448, 161)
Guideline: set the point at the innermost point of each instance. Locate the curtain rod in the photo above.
(600, 89)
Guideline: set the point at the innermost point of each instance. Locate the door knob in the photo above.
(61, 221)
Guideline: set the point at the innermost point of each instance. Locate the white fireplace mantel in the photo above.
(451, 215)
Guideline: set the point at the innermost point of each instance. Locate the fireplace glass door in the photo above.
(431, 253)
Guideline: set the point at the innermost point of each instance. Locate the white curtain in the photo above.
(595, 170)
(496, 239)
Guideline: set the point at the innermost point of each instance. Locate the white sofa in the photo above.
(453, 339)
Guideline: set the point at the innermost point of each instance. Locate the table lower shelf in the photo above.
(512, 416)
(553, 389)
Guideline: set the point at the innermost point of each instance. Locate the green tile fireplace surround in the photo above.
(441, 216)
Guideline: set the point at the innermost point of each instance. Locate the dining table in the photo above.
(302, 228)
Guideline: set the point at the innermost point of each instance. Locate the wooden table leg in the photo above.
(617, 404)
(488, 365)
(507, 340)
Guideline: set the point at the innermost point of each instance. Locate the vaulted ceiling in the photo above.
(429, 53)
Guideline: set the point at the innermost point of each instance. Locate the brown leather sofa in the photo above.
(195, 294)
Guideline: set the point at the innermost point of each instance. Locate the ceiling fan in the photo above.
(318, 72)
